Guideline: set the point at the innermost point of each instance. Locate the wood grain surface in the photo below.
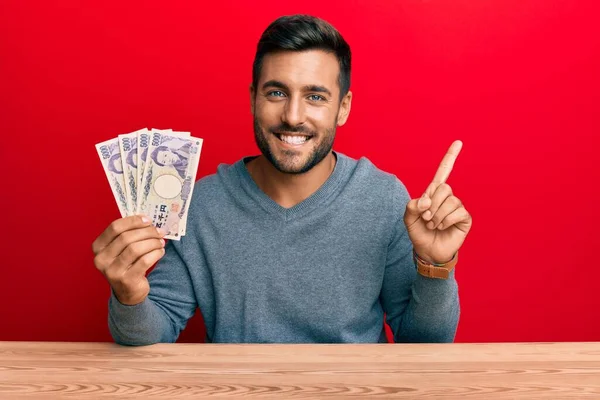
(31, 370)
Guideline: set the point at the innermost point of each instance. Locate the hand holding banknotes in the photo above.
(151, 174)
(123, 254)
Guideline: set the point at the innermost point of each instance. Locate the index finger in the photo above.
(447, 163)
(116, 228)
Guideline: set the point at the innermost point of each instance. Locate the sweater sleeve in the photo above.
(418, 309)
(164, 313)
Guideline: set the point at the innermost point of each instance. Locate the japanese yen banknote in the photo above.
(152, 173)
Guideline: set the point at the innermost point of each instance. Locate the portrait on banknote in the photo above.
(174, 154)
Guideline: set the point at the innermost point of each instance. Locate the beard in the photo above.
(285, 163)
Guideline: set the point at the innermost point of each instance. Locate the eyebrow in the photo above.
(307, 88)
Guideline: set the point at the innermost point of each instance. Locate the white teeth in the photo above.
(294, 139)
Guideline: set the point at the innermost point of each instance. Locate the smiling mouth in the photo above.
(292, 139)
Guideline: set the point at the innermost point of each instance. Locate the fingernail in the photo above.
(427, 215)
(145, 219)
(162, 241)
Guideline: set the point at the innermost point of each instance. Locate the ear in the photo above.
(252, 98)
(344, 110)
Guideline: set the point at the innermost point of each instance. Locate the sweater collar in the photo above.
(318, 198)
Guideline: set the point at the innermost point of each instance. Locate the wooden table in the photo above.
(30, 370)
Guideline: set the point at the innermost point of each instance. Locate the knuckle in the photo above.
(148, 259)
(437, 215)
(112, 275)
(113, 228)
(125, 239)
(98, 262)
(119, 242)
(435, 206)
(95, 248)
(132, 251)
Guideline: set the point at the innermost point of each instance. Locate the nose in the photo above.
(294, 112)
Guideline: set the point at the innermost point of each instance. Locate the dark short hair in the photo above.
(299, 33)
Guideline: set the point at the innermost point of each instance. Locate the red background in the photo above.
(516, 80)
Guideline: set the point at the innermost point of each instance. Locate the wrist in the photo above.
(429, 260)
(128, 299)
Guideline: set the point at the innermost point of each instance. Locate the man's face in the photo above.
(296, 108)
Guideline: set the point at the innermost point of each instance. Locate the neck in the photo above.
(287, 190)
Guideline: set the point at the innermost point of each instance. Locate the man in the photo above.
(300, 244)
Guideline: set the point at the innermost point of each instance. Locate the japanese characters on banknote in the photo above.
(152, 173)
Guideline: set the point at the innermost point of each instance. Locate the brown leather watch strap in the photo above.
(433, 271)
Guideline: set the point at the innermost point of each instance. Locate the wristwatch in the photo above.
(438, 271)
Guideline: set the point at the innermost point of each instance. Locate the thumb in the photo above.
(415, 208)
(423, 203)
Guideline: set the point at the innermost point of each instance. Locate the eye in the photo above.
(276, 93)
(316, 97)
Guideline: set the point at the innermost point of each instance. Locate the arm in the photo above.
(162, 315)
(418, 309)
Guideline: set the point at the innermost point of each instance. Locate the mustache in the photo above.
(292, 129)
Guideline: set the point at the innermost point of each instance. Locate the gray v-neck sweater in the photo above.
(323, 271)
